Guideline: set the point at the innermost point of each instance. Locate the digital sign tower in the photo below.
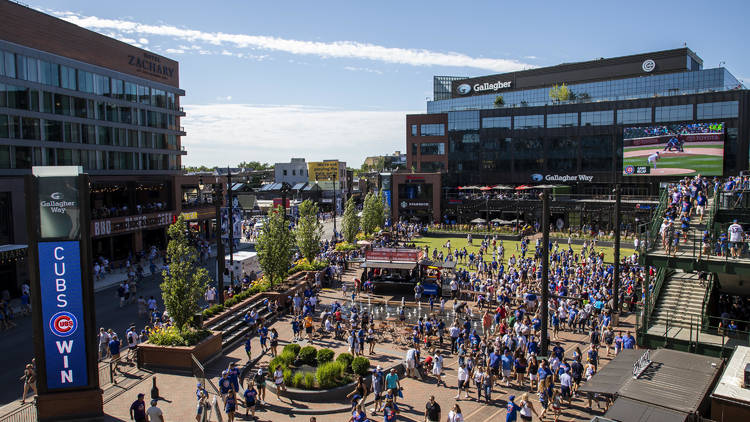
(62, 294)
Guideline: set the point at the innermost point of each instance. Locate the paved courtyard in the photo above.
(178, 390)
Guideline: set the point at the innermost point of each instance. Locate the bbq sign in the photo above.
(62, 312)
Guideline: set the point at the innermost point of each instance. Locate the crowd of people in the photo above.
(124, 210)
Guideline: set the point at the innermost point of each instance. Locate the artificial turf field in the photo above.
(510, 247)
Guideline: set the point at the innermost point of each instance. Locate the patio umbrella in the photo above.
(478, 221)
(544, 187)
(502, 187)
(498, 221)
(523, 187)
(485, 188)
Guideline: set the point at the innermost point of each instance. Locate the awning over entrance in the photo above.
(391, 265)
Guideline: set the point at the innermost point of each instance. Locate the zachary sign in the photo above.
(62, 314)
(151, 64)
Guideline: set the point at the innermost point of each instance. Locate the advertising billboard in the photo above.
(323, 170)
(64, 332)
(684, 149)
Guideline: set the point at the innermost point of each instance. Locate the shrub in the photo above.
(297, 379)
(259, 286)
(213, 310)
(172, 336)
(345, 247)
(288, 376)
(287, 357)
(294, 347)
(324, 355)
(360, 365)
(329, 374)
(307, 355)
(346, 359)
(275, 362)
(309, 381)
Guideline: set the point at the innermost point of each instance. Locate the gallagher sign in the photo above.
(62, 314)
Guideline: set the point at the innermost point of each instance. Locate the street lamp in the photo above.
(217, 199)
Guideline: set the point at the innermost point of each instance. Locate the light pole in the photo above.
(616, 281)
(544, 346)
(217, 197)
(334, 209)
(230, 220)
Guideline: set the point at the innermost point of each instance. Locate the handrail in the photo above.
(706, 296)
(24, 413)
(201, 375)
(713, 210)
(659, 278)
(658, 218)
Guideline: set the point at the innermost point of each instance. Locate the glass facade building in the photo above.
(59, 111)
(519, 130)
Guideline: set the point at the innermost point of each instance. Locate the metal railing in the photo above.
(24, 413)
(107, 372)
(706, 298)
(199, 372)
(661, 275)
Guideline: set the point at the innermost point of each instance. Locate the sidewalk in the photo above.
(115, 277)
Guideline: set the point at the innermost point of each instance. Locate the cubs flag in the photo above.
(62, 314)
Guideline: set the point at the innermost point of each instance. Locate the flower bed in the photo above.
(178, 357)
(308, 368)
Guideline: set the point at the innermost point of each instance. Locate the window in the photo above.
(562, 120)
(432, 148)
(463, 120)
(727, 109)
(72, 132)
(85, 81)
(597, 118)
(49, 73)
(284, 172)
(101, 85)
(118, 91)
(496, 122)
(431, 166)
(529, 122)
(432, 130)
(62, 105)
(23, 158)
(67, 77)
(413, 148)
(10, 127)
(53, 131)
(9, 59)
(634, 115)
(596, 153)
(674, 113)
(30, 128)
(144, 95)
(413, 130)
(4, 157)
(294, 172)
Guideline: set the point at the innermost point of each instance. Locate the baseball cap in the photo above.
(153, 402)
(141, 395)
(511, 398)
(379, 368)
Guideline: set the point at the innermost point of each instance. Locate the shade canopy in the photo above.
(478, 221)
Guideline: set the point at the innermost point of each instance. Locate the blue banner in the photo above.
(62, 314)
(430, 289)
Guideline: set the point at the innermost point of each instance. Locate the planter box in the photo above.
(178, 357)
(231, 311)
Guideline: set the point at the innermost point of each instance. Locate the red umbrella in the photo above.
(485, 188)
(522, 187)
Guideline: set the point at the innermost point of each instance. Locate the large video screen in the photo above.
(673, 150)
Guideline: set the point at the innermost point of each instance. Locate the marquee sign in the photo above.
(394, 254)
(62, 314)
(128, 224)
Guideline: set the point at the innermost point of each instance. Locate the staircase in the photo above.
(680, 301)
(691, 247)
(234, 327)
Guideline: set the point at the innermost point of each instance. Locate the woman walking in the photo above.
(29, 381)
(527, 408)
(455, 414)
(274, 341)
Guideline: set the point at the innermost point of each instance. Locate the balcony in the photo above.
(103, 212)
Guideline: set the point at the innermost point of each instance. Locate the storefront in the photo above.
(416, 197)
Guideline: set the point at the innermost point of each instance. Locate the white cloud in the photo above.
(143, 41)
(227, 98)
(174, 51)
(335, 49)
(530, 57)
(226, 134)
(362, 69)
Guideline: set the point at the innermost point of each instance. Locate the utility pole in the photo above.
(544, 346)
(616, 280)
(218, 196)
(334, 208)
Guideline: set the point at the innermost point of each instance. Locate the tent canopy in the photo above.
(478, 221)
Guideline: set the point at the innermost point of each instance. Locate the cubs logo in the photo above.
(537, 177)
(63, 324)
(629, 169)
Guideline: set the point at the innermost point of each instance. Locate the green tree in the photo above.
(185, 282)
(499, 101)
(275, 246)
(350, 223)
(373, 212)
(254, 165)
(559, 93)
(309, 230)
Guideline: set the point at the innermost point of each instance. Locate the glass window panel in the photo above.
(528, 122)
(674, 113)
(726, 109)
(413, 130)
(562, 120)
(426, 130)
(30, 128)
(53, 131)
(634, 115)
(432, 148)
(23, 157)
(496, 122)
(597, 118)
(67, 77)
(4, 156)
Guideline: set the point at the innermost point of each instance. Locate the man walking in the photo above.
(138, 409)
(432, 411)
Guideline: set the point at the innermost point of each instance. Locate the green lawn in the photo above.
(510, 247)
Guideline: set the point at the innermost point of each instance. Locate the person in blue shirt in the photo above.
(248, 347)
(114, 351)
(233, 373)
(263, 334)
(628, 342)
(513, 409)
(532, 346)
(507, 363)
(230, 406)
(390, 411)
(250, 396)
(558, 351)
(225, 385)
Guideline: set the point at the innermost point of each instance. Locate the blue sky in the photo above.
(271, 80)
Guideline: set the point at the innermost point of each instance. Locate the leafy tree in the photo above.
(499, 101)
(559, 93)
(350, 223)
(192, 169)
(309, 230)
(185, 282)
(373, 212)
(254, 165)
(275, 245)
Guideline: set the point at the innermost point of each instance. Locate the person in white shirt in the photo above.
(463, 382)
(455, 414)
(735, 238)
(154, 414)
(411, 362)
(437, 368)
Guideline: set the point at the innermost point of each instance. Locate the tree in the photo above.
(350, 221)
(254, 165)
(499, 101)
(275, 246)
(559, 93)
(185, 282)
(373, 213)
(309, 230)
